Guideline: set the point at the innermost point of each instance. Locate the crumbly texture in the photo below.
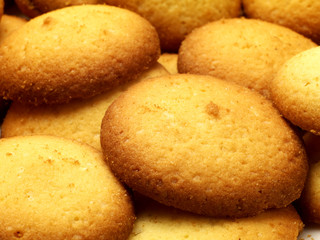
(203, 145)
(33, 8)
(75, 52)
(245, 51)
(155, 221)
(53, 188)
(79, 119)
(175, 19)
(309, 203)
(301, 16)
(9, 24)
(169, 61)
(296, 89)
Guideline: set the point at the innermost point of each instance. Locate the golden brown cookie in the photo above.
(296, 89)
(244, 51)
(169, 61)
(75, 52)
(79, 119)
(203, 145)
(33, 8)
(1, 8)
(175, 19)
(155, 221)
(300, 16)
(54, 188)
(9, 24)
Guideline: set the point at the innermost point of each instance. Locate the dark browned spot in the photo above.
(212, 109)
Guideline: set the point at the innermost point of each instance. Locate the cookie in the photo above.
(33, 8)
(296, 88)
(79, 119)
(9, 24)
(169, 61)
(175, 19)
(245, 51)
(75, 52)
(155, 221)
(54, 188)
(309, 203)
(1, 8)
(300, 16)
(203, 145)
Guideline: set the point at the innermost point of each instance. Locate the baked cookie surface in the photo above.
(75, 52)
(300, 16)
(245, 51)
(9, 24)
(54, 188)
(203, 145)
(169, 61)
(175, 19)
(79, 119)
(296, 89)
(33, 8)
(155, 221)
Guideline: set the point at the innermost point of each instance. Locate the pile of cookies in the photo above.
(157, 120)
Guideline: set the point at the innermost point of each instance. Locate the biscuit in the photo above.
(54, 188)
(79, 119)
(169, 61)
(300, 16)
(296, 88)
(309, 203)
(155, 221)
(1, 8)
(245, 51)
(203, 145)
(75, 52)
(33, 8)
(175, 19)
(9, 24)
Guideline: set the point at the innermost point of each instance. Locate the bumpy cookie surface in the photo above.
(175, 19)
(245, 51)
(75, 52)
(79, 119)
(155, 221)
(33, 8)
(53, 188)
(203, 145)
(296, 89)
(301, 16)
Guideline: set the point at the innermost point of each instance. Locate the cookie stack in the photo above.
(105, 139)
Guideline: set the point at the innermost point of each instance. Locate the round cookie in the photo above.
(175, 19)
(75, 52)
(9, 24)
(169, 61)
(155, 221)
(296, 88)
(79, 119)
(54, 188)
(300, 16)
(33, 8)
(245, 51)
(203, 145)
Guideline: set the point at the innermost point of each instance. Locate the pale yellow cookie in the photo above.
(75, 52)
(169, 61)
(296, 89)
(300, 16)
(9, 24)
(175, 19)
(53, 188)
(155, 221)
(203, 145)
(245, 51)
(79, 119)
